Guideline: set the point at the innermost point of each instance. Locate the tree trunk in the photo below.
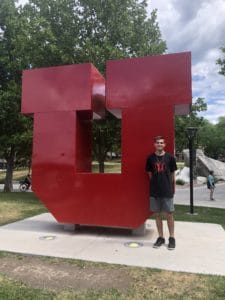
(101, 166)
(9, 171)
(29, 166)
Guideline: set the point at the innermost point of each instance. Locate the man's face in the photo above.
(160, 145)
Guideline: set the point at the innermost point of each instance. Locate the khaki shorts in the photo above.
(161, 204)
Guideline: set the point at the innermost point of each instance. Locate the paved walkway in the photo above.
(201, 196)
(195, 252)
(15, 187)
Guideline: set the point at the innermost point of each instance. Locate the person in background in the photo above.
(27, 180)
(211, 184)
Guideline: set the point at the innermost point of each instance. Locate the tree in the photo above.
(220, 128)
(182, 122)
(207, 139)
(221, 62)
(115, 29)
(55, 32)
(111, 30)
(76, 31)
(212, 139)
(12, 124)
(106, 138)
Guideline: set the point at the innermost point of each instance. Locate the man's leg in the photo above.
(211, 193)
(155, 208)
(155, 204)
(159, 224)
(170, 223)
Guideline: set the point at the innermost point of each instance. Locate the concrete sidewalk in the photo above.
(200, 246)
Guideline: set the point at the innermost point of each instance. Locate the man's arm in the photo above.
(173, 180)
(148, 168)
(173, 177)
(173, 168)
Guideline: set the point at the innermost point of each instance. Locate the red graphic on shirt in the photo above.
(159, 167)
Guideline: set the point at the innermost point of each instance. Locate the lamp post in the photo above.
(191, 133)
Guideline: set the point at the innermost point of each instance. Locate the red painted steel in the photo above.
(144, 91)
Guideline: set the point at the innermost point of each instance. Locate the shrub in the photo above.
(180, 182)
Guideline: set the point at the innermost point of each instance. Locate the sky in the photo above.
(197, 26)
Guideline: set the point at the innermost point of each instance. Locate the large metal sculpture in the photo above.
(145, 92)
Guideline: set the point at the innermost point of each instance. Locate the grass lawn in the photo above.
(110, 167)
(35, 278)
(17, 175)
(17, 206)
(205, 214)
(180, 165)
(96, 281)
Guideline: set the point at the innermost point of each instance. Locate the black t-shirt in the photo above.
(161, 168)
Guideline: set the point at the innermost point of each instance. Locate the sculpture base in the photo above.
(71, 227)
(139, 231)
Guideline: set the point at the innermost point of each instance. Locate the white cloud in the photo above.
(22, 2)
(217, 109)
(197, 26)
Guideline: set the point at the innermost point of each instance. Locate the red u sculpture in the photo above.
(144, 92)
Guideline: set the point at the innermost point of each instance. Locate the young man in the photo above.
(161, 167)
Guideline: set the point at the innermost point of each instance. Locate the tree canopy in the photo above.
(14, 128)
(46, 33)
(76, 31)
(193, 119)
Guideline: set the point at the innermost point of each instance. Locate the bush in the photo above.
(180, 182)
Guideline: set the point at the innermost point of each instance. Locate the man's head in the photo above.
(159, 143)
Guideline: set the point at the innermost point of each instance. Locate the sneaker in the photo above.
(160, 241)
(172, 243)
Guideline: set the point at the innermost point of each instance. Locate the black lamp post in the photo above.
(191, 133)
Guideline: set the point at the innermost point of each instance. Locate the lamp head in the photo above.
(191, 132)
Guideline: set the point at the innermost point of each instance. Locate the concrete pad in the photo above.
(200, 246)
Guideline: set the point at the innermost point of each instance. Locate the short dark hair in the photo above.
(211, 172)
(159, 137)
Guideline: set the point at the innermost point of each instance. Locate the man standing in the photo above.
(161, 167)
(211, 184)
